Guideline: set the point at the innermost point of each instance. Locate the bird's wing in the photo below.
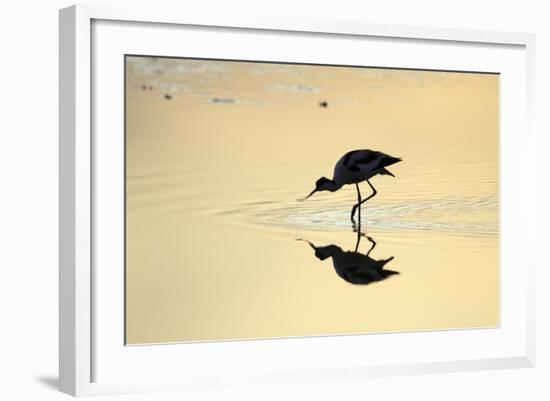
(361, 160)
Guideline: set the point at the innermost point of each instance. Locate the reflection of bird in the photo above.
(354, 267)
(354, 167)
(168, 97)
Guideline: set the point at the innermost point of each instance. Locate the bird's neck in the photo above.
(332, 186)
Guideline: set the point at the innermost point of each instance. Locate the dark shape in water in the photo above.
(353, 266)
(355, 167)
(167, 96)
(222, 100)
(324, 103)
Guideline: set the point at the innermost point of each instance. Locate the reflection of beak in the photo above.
(305, 240)
(306, 197)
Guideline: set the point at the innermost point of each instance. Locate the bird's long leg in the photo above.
(361, 201)
(374, 192)
(356, 206)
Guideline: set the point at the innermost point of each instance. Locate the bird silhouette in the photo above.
(355, 167)
(353, 266)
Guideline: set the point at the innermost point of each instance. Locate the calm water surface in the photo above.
(217, 245)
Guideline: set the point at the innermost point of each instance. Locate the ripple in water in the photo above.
(461, 217)
(469, 216)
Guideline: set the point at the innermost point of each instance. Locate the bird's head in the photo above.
(322, 184)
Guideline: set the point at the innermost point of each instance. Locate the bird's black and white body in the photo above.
(353, 266)
(360, 165)
(355, 167)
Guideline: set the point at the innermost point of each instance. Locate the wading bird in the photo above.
(354, 267)
(354, 167)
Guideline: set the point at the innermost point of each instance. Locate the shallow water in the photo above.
(213, 224)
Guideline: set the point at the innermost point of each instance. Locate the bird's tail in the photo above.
(388, 161)
(385, 162)
(383, 171)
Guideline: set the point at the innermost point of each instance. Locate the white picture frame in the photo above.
(83, 344)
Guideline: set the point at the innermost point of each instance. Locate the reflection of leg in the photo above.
(373, 244)
(357, 205)
(358, 240)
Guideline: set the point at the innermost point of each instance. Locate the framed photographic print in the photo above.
(284, 200)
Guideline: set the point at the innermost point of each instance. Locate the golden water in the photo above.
(213, 174)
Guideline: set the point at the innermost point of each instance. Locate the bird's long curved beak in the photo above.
(307, 197)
